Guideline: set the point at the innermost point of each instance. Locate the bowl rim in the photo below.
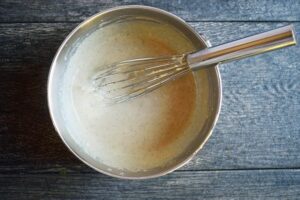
(50, 95)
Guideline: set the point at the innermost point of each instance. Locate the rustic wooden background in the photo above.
(254, 152)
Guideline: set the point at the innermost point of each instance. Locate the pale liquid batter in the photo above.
(143, 133)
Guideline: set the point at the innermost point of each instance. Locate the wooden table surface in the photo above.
(253, 153)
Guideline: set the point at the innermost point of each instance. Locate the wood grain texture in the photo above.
(258, 126)
(197, 10)
(261, 184)
(253, 152)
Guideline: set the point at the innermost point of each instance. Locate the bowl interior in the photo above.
(59, 65)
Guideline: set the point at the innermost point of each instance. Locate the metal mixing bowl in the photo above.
(59, 64)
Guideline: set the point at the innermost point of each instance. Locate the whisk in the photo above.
(128, 79)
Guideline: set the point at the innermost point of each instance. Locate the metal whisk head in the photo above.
(131, 78)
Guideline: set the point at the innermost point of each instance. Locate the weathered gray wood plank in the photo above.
(197, 10)
(258, 126)
(259, 121)
(253, 184)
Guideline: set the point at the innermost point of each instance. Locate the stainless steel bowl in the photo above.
(59, 65)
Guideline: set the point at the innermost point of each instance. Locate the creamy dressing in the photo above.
(147, 132)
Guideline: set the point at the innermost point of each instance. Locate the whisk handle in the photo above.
(249, 46)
